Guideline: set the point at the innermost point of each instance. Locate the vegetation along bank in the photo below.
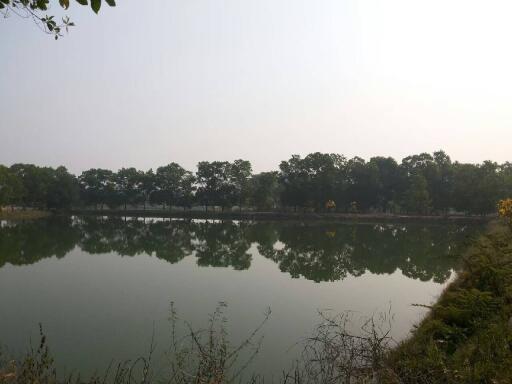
(424, 184)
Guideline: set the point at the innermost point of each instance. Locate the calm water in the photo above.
(101, 287)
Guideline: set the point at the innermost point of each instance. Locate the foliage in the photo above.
(505, 209)
(34, 9)
(10, 187)
(422, 184)
(467, 337)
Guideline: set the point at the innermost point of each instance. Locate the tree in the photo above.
(323, 177)
(442, 184)
(293, 180)
(391, 184)
(128, 184)
(363, 184)
(97, 186)
(171, 183)
(34, 181)
(239, 175)
(63, 189)
(265, 190)
(10, 187)
(214, 184)
(417, 198)
(187, 189)
(36, 10)
(147, 186)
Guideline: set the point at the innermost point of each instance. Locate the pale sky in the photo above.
(150, 82)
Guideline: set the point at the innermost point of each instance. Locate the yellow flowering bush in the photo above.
(505, 209)
(330, 205)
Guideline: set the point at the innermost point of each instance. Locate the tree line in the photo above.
(419, 184)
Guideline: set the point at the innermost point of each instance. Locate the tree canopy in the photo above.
(420, 184)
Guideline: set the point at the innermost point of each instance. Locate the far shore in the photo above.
(20, 214)
(279, 216)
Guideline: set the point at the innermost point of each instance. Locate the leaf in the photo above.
(82, 2)
(95, 5)
(64, 4)
(112, 3)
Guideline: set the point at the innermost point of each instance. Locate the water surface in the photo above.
(102, 286)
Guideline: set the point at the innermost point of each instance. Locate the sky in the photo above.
(150, 82)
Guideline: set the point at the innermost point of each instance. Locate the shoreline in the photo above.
(470, 321)
(20, 215)
(280, 216)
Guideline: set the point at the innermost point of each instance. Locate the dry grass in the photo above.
(18, 214)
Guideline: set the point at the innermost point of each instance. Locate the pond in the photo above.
(102, 287)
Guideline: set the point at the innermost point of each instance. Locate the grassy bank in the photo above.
(467, 337)
(23, 215)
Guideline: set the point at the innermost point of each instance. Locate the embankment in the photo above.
(467, 337)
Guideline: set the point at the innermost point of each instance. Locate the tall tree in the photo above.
(129, 185)
(171, 182)
(10, 187)
(265, 190)
(239, 175)
(63, 189)
(214, 186)
(417, 198)
(97, 187)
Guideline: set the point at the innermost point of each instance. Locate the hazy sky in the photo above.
(155, 81)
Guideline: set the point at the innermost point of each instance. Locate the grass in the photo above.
(467, 337)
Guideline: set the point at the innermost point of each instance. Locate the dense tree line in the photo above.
(420, 184)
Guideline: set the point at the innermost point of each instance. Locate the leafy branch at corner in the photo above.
(34, 9)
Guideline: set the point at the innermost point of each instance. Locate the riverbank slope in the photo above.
(467, 337)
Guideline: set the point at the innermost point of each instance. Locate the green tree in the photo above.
(239, 176)
(147, 186)
(391, 183)
(171, 183)
(97, 187)
(265, 190)
(63, 189)
(35, 181)
(214, 185)
(417, 198)
(363, 183)
(10, 187)
(129, 185)
(293, 179)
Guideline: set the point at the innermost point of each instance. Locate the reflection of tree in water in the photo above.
(318, 252)
(168, 240)
(312, 252)
(28, 242)
(329, 253)
(223, 244)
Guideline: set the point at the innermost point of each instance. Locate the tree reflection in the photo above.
(223, 244)
(27, 243)
(314, 251)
